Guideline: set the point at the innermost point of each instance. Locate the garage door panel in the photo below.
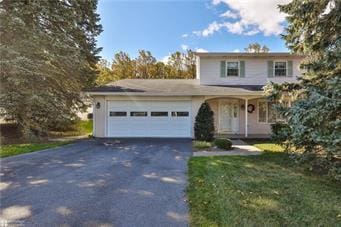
(148, 126)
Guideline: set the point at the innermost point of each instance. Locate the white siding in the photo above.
(256, 72)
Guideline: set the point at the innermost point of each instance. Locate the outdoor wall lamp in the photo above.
(98, 105)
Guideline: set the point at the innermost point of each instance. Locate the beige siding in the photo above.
(255, 72)
(99, 117)
(253, 126)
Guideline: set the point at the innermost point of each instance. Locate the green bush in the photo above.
(222, 143)
(204, 123)
(280, 132)
(200, 145)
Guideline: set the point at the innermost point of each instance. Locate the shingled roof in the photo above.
(172, 87)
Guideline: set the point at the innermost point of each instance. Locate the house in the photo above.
(231, 83)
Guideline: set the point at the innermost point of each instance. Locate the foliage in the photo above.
(73, 128)
(16, 149)
(256, 48)
(145, 66)
(262, 190)
(314, 125)
(204, 123)
(280, 132)
(201, 145)
(223, 143)
(48, 55)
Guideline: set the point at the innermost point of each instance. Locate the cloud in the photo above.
(236, 50)
(257, 15)
(229, 14)
(165, 59)
(184, 47)
(184, 35)
(212, 28)
(201, 50)
(235, 28)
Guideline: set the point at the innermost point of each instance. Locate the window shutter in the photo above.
(222, 69)
(270, 68)
(290, 72)
(242, 68)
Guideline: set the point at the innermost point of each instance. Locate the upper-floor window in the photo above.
(232, 68)
(280, 68)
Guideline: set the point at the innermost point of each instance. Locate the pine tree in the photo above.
(314, 119)
(48, 55)
(204, 123)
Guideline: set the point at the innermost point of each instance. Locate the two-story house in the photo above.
(231, 83)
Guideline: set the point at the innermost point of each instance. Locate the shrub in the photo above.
(280, 132)
(222, 143)
(204, 123)
(90, 116)
(200, 145)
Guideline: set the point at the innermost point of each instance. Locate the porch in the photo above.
(237, 117)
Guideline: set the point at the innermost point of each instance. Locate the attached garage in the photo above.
(143, 118)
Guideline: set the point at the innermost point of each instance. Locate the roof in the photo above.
(172, 87)
(248, 55)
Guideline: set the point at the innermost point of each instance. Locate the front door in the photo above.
(228, 116)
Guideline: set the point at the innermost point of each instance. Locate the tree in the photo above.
(145, 65)
(105, 74)
(204, 123)
(314, 118)
(48, 55)
(123, 67)
(256, 48)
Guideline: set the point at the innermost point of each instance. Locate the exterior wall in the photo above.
(256, 72)
(100, 115)
(254, 127)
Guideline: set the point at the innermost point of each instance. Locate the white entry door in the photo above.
(228, 116)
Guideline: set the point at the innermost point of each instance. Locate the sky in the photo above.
(164, 27)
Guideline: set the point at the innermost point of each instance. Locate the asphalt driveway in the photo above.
(131, 182)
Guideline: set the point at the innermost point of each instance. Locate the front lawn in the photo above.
(15, 149)
(264, 190)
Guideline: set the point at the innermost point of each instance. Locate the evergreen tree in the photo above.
(204, 123)
(48, 55)
(314, 119)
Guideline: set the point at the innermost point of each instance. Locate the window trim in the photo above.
(187, 112)
(286, 68)
(267, 113)
(126, 113)
(151, 113)
(130, 112)
(232, 61)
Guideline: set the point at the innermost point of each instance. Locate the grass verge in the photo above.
(16, 149)
(264, 190)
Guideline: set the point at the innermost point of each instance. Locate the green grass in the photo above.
(16, 149)
(264, 190)
(265, 145)
(84, 127)
(201, 145)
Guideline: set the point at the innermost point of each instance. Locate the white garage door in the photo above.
(149, 119)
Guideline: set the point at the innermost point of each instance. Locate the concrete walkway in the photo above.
(239, 147)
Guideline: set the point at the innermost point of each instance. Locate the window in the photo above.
(180, 114)
(232, 68)
(138, 114)
(280, 68)
(159, 114)
(267, 112)
(117, 114)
